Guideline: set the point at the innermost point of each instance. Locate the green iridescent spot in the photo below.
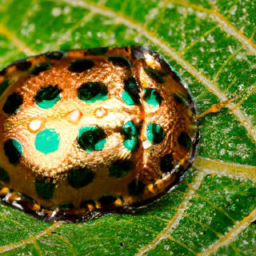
(166, 163)
(3, 86)
(47, 141)
(136, 188)
(154, 75)
(120, 168)
(130, 135)
(152, 97)
(80, 65)
(120, 61)
(13, 151)
(44, 189)
(47, 96)
(37, 69)
(131, 92)
(12, 104)
(92, 138)
(155, 133)
(185, 140)
(107, 199)
(4, 176)
(80, 177)
(93, 91)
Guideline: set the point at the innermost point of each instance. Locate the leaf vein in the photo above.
(181, 244)
(211, 86)
(214, 206)
(210, 166)
(174, 222)
(12, 38)
(224, 23)
(230, 236)
(30, 239)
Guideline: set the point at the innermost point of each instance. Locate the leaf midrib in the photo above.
(250, 46)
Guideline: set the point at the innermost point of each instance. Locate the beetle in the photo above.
(102, 129)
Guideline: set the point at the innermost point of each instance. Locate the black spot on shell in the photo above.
(80, 65)
(80, 177)
(92, 91)
(96, 51)
(3, 72)
(107, 199)
(4, 176)
(120, 168)
(184, 140)
(181, 99)
(37, 69)
(166, 163)
(23, 65)
(28, 198)
(155, 133)
(44, 189)
(154, 75)
(136, 188)
(178, 98)
(49, 92)
(175, 77)
(3, 86)
(56, 55)
(88, 139)
(66, 206)
(130, 133)
(152, 96)
(132, 88)
(181, 169)
(12, 104)
(120, 61)
(11, 152)
(164, 65)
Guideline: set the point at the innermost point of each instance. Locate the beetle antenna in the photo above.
(216, 107)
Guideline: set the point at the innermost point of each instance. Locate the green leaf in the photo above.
(212, 45)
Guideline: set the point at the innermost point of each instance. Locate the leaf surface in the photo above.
(212, 45)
